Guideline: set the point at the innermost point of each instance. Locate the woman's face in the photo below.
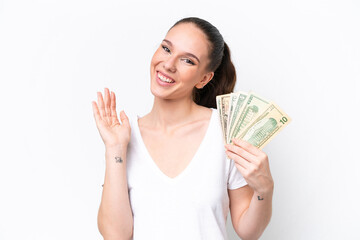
(179, 63)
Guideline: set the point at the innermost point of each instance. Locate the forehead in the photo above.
(186, 37)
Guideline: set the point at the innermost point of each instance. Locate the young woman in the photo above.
(168, 173)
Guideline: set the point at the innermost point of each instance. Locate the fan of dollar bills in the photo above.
(250, 117)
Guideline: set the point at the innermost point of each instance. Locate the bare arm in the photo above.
(250, 212)
(115, 219)
(251, 206)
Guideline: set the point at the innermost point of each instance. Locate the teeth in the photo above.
(164, 78)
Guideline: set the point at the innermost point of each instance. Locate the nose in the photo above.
(170, 64)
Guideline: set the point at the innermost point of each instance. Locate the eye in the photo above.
(189, 61)
(165, 48)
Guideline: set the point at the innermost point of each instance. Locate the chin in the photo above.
(158, 93)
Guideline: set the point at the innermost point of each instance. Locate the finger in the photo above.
(113, 100)
(238, 159)
(113, 107)
(101, 105)
(124, 119)
(241, 169)
(107, 102)
(96, 112)
(247, 146)
(242, 152)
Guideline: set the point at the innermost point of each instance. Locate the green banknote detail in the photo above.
(265, 126)
(237, 101)
(253, 107)
(222, 102)
(260, 131)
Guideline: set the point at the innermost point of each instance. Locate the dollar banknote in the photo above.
(253, 106)
(222, 103)
(265, 127)
(250, 117)
(237, 100)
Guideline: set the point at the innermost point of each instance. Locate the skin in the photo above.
(175, 119)
(250, 206)
(171, 60)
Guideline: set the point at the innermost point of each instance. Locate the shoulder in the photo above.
(205, 112)
(210, 117)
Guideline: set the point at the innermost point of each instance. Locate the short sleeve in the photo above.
(235, 179)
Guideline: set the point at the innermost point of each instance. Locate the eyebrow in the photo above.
(186, 53)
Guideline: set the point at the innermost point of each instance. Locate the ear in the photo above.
(207, 77)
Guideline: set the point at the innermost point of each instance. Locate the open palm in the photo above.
(112, 132)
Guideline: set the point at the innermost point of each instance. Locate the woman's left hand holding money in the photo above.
(253, 165)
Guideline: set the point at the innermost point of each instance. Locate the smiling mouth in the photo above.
(163, 78)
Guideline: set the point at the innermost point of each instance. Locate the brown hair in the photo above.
(224, 78)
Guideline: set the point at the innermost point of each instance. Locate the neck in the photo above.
(167, 114)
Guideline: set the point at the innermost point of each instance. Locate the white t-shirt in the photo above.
(193, 205)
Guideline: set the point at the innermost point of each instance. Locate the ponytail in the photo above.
(223, 82)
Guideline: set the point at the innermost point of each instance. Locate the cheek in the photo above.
(155, 60)
(156, 57)
(189, 75)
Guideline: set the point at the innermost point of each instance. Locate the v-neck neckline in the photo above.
(189, 165)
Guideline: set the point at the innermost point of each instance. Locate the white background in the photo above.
(55, 55)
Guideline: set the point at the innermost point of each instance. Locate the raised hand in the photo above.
(253, 165)
(112, 132)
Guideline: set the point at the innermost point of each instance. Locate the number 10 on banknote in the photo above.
(250, 117)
